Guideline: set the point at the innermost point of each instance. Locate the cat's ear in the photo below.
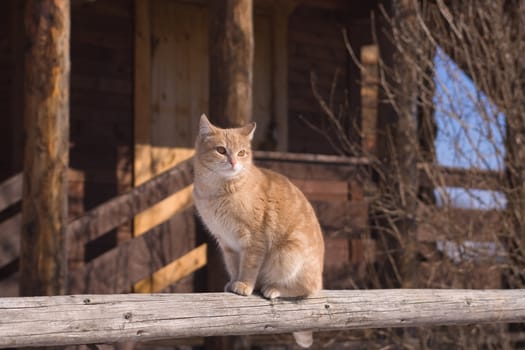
(249, 130)
(205, 126)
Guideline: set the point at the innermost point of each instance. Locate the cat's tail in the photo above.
(304, 339)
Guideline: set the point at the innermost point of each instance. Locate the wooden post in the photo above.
(231, 62)
(231, 78)
(46, 101)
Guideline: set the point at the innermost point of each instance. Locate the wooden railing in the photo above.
(88, 319)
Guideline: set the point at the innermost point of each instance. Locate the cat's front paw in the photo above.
(241, 288)
(270, 292)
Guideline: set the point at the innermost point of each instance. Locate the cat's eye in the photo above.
(221, 150)
(241, 153)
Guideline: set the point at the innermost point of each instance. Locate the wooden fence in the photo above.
(89, 319)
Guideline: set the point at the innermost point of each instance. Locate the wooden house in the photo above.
(141, 74)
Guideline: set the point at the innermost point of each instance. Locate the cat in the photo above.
(267, 230)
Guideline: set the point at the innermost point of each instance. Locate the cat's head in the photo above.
(226, 152)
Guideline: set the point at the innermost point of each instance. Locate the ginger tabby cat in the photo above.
(267, 230)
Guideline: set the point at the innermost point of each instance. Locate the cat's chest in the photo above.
(221, 217)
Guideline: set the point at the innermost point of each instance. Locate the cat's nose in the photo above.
(233, 162)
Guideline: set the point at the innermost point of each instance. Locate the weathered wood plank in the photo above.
(84, 319)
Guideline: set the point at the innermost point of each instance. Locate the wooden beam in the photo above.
(87, 319)
(44, 205)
